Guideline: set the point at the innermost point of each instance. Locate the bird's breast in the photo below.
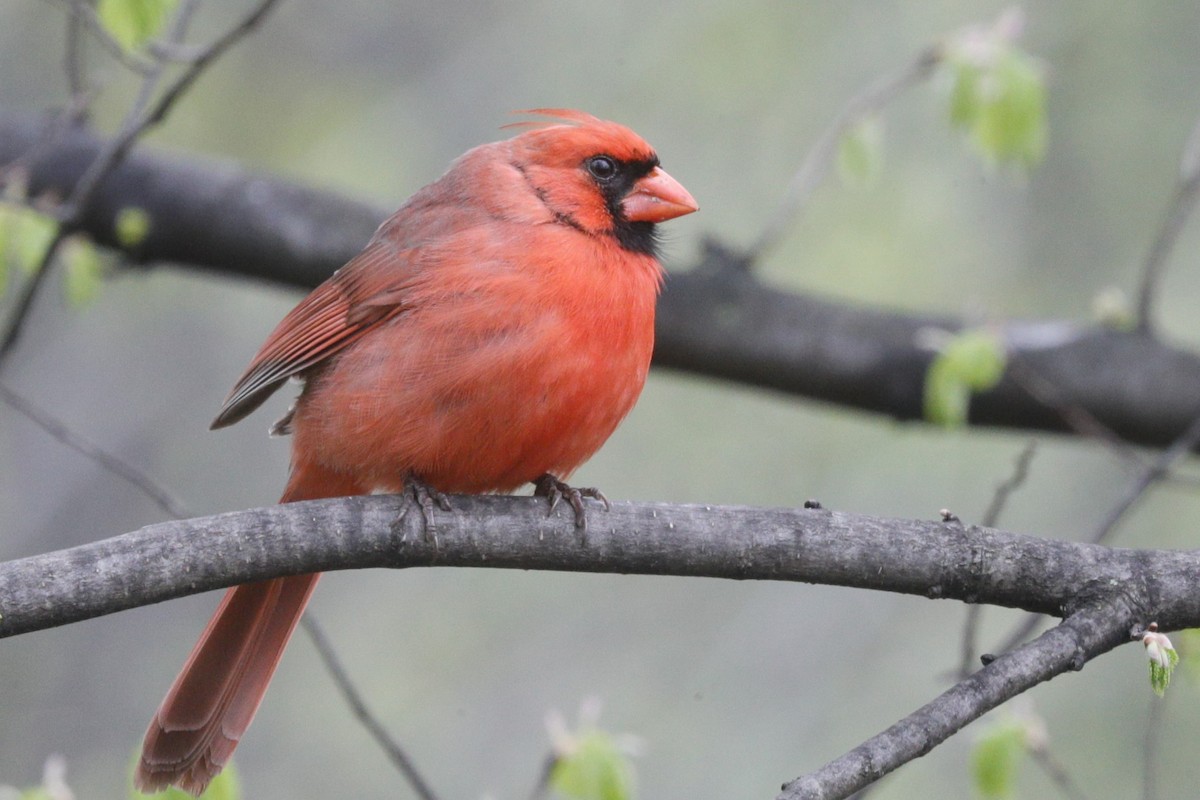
(489, 385)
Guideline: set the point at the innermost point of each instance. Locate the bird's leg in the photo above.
(425, 496)
(554, 490)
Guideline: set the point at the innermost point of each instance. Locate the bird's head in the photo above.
(599, 177)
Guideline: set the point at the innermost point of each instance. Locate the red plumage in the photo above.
(496, 328)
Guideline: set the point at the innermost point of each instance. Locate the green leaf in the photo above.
(30, 236)
(594, 770)
(947, 400)
(132, 22)
(1160, 673)
(1000, 102)
(995, 759)
(973, 361)
(223, 787)
(36, 793)
(132, 226)
(964, 95)
(860, 152)
(83, 271)
(1012, 122)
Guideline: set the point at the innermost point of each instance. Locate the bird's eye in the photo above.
(602, 168)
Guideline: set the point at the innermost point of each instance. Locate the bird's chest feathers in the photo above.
(508, 374)
(587, 340)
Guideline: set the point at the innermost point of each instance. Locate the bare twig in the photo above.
(1152, 473)
(24, 303)
(1077, 418)
(1178, 210)
(1057, 773)
(85, 13)
(140, 118)
(73, 52)
(821, 157)
(107, 461)
(354, 699)
(205, 57)
(1150, 740)
(967, 660)
(542, 787)
(1014, 481)
(180, 54)
(72, 211)
(1069, 646)
(164, 500)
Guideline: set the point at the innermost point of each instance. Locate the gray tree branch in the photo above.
(717, 319)
(1102, 592)
(930, 558)
(1085, 634)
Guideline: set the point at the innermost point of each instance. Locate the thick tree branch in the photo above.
(715, 320)
(1102, 592)
(934, 559)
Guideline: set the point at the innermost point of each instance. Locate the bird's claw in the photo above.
(554, 490)
(425, 496)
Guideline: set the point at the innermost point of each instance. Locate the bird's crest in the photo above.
(556, 116)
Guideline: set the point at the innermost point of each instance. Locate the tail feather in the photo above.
(216, 694)
(219, 689)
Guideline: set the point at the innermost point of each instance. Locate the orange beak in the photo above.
(657, 198)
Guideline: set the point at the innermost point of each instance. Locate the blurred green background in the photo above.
(735, 687)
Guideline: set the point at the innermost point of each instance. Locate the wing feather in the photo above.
(368, 290)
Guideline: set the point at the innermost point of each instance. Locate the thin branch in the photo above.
(541, 788)
(1006, 487)
(24, 303)
(1069, 646)
(173, 508)
(363, 714)
(1076, 416)
(140, 118)
(991, 517)
(1178, 210)
(177, 53)
(73, 52)
(1149, 475)
(85, 13)
(71, 212)
(206, 57)
(823, 154)
(1057, 773)
(98, 455)
(1150, 741)
(1152, 474)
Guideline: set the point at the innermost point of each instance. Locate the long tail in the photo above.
(216, 694)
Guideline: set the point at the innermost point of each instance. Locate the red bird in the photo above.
(493, 333)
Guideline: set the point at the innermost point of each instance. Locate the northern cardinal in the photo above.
(492, 333)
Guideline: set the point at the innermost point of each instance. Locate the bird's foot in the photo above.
(554, 490)
(426, 497)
